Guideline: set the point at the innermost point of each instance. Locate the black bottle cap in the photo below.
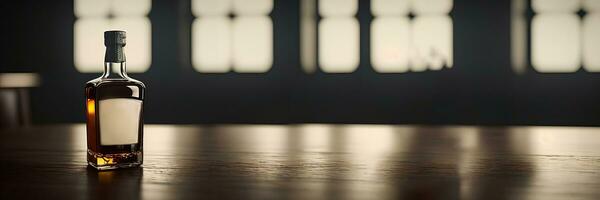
(114, 41)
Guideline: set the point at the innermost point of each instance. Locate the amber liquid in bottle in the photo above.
(114, 105)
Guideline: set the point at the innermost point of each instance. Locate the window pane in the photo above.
(591, 5)
(432, 40)
(330, 8)
(89, 44)
(431, 6)
(91, 8)
(211, 44)
(252, 7)
(555, 6)
(338, 45)
(93, 19)
(390, 44)
(389, 7)
(252, 44)
(138, 49)
(211, 7)
(591, 42)
(555, 43)
(131, 8)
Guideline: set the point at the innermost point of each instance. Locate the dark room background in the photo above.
(491, 81)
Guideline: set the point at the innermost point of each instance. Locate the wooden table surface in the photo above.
(311, 162)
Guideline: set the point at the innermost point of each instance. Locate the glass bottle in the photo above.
(114, 105)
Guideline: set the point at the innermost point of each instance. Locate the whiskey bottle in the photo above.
(114, 104)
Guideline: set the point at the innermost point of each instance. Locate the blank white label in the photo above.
(119, 121)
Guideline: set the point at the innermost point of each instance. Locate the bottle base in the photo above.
(115, 161)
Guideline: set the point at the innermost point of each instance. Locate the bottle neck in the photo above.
(115, 70)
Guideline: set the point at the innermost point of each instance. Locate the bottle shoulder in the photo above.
(109, 81)
(115, 88)
(140, 83)
(92, 82)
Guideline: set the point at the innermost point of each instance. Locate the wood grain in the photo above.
(311, 162)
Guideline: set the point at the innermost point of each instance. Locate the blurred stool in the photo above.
(14, 98)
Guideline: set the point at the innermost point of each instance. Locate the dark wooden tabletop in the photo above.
(311, 162)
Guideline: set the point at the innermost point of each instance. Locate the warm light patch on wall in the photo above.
(243, 44)
(96, 16)
(399, 44)
(562, 41)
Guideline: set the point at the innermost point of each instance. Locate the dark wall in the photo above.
(481, 88)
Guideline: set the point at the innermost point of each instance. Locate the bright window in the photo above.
(562, 41)
(339, 36)
(93, 17)
(243, 43)
(399, 44)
